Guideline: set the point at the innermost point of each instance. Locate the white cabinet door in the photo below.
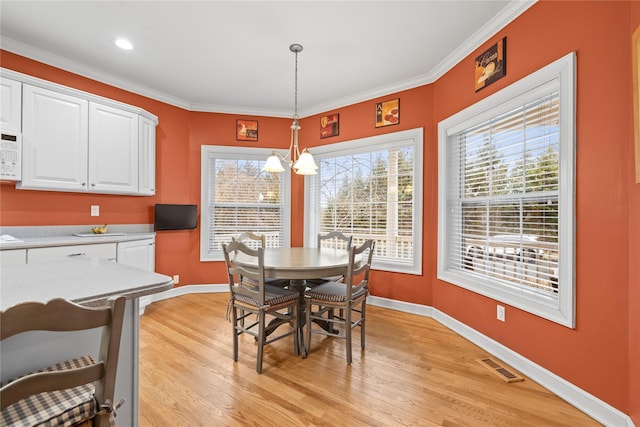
(147, 141)
(54, 139)
(138, 253)
(113, 150)
(13, 257)
(76, 141)
(57, 253)
(11, 105)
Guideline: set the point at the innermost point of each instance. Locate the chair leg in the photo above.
(347, 331)
(363, 323)
(101, 420)
(296, 328)
(307, 341)
(234, 322)
(261, 327)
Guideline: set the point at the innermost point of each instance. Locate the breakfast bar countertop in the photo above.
(86, 281)
(26, 242)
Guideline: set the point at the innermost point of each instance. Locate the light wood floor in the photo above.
(414, 372)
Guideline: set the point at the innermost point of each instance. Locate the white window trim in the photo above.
(225, 152)
(375, 143)
(562, 72)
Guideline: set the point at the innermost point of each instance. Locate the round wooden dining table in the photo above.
(298, 264)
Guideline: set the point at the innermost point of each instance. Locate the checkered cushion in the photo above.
(272, 296)
(56, 408)
(333, 292)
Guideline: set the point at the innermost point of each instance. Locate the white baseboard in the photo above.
(597, 409)
(181, 290)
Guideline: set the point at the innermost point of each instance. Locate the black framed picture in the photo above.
(388, 113)
(329, 125)
(491, 65)
(246, 130)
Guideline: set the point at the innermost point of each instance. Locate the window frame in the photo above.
(362, 145)
(561, 75)
(209, 152)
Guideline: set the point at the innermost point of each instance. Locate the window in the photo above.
(238, 196)
(506, 195)
(371, 188)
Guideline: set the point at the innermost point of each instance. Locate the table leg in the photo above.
(300, 286)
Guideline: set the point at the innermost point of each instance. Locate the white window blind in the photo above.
(505, 228)
(237, 196)
(370, 189)
(506, 194)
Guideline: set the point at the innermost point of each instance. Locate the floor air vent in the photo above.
(505, 373)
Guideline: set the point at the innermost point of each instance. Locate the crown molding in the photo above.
(498, 22)
(477, 39)
(46, 57)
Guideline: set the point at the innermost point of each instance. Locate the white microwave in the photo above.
(10, 156)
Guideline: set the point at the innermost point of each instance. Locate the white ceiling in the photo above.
(233, 56)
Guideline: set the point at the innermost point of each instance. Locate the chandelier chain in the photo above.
(301, 163)
(296, 89)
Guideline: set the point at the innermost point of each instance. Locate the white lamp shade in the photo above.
(273, 164)
(305, 164)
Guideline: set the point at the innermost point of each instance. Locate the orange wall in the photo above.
(219, 129)
(55, 208)
(634, 264)
(357, 121)
(608, 205)
(598, 32)
(179, 135)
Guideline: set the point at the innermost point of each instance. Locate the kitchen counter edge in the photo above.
(52, 241)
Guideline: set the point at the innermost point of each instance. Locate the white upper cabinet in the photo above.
(54, 139)
(77, 141)
(147, 160)
(113, 150)
(11, 105)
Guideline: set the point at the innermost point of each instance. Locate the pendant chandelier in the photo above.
(301, 163)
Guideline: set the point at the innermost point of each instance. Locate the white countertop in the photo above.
(42, 241)
(87, 281)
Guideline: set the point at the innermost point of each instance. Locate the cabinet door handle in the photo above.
(83, 184)
(77, 254)
(93, 185)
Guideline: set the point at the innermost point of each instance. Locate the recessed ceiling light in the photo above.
(124, 44)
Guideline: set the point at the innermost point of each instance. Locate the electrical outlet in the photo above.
(95, 210)
(176, 279)
(500, 313)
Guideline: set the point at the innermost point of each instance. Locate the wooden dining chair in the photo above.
(332, 239)
(254, 241)
(261, 300)
(72, 391)
(349, 297)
